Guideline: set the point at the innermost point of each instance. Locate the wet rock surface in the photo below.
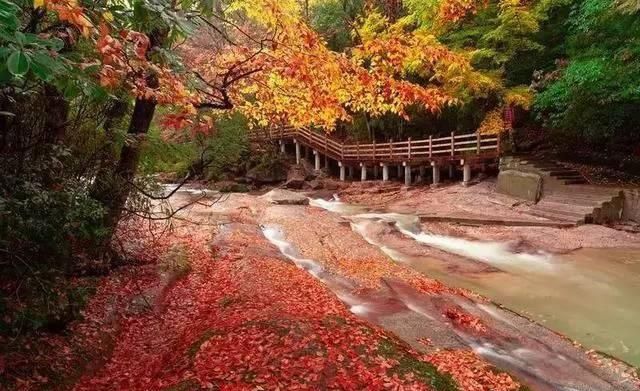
(285, 197)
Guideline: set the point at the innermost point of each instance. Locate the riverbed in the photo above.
(589, 295)
(371, 258)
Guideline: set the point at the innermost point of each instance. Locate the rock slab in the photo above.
(524, 185)
(285, 197)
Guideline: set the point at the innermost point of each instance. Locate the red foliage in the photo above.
(470, 372)
(464, 319)
(241, 320)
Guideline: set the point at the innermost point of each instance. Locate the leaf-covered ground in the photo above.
(231, 314)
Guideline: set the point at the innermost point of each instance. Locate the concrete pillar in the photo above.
(363, 172)
(306, 153)
(342, 171)
(399, 171)
(451, 171)
(385, 172)
(317, 160)
(282, 150)
(375, 172)
(407, 174)
(350, 171)
(466, 173)
(436, 174)
(326, 162)
(298, 155)
(421, 173)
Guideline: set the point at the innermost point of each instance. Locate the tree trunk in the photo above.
(119, 187)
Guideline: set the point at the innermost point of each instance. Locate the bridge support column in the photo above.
(466, 173)
(436, 174)
(451, 171)
(385, 172)
(342, 171)
(306, 153)
(317, 160)
(421, 173)
(407, 174)
(375, 172)
(298, 154)
(282, 150)
(350, 172)
(399, 171)
(363, 172)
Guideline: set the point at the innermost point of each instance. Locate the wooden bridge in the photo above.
(464, 149)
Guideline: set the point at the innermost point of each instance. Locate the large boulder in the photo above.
(519, 184)
(285, 197)
(296, 177)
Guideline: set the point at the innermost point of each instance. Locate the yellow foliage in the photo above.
(492, 123)
(520, 96)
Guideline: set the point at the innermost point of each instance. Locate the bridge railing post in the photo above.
(453, 143)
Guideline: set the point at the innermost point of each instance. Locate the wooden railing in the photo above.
(450, 147)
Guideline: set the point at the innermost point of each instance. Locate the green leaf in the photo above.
(18, 63)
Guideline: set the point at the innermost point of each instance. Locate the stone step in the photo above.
(579, 195)
(587, 202)
(577, 219)
(567, 210)
(568, 177)
(564, 172)
(569, 206)
(575, 181)
(597, 190)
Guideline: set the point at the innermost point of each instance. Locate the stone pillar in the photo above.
(342, 171)
(407, 174)
(350, 171)
(466, 173)
(436, 174)
(282, 150)
(306, 153)
(317, 160)
(363, 172)
(298, 154)
(399, 171)
(385, 172)
(375, 172)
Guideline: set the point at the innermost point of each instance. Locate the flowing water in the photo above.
(589, 295)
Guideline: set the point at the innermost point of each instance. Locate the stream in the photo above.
(589, 295)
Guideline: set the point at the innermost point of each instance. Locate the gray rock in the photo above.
(285, 197)
(520, 184)
(315, 184)
(296, 177)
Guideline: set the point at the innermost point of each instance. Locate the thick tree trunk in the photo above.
(125, 171)
(114, 189)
